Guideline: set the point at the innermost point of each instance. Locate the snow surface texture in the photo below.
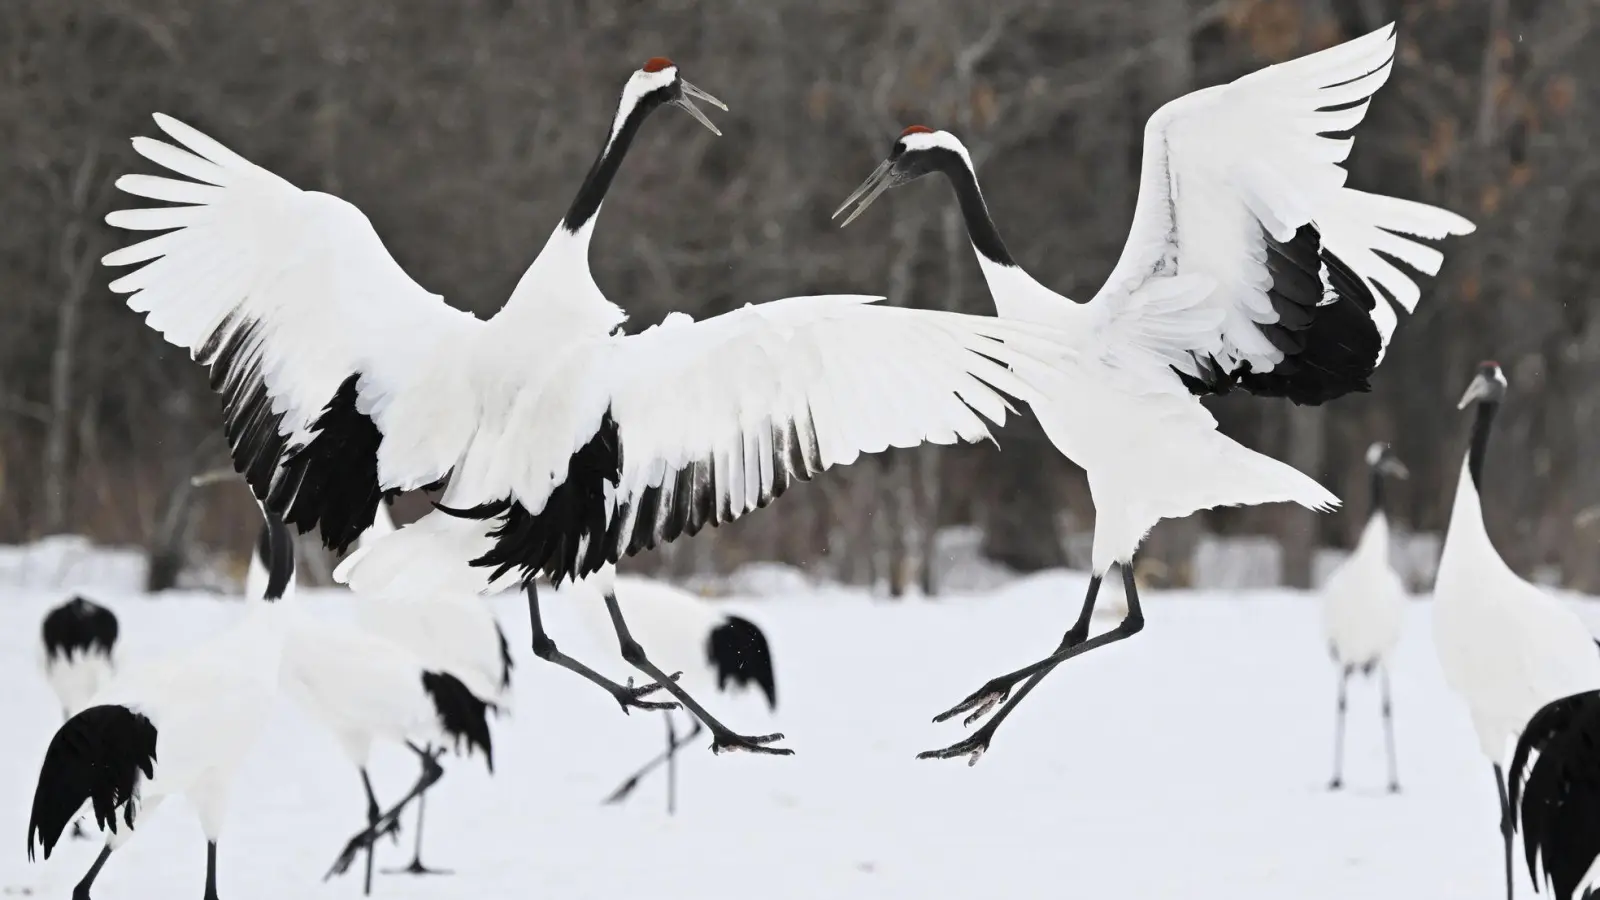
(1190, 762)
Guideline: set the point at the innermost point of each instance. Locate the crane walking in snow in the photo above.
(1363, 606)
(1249, 265)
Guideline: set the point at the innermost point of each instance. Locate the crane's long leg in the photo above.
(81, 891)
(622, 792)
(372, 822)
(1388, 730)
(1505, 823)
(672, 766)
(389, 821)
(999, 689)
(416, 867)
(1337, 781)
(722, 737)
(211, 870)
(545, 649)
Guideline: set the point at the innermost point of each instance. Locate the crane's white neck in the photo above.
(558, 293)
(1468, 551)
(1374, 539)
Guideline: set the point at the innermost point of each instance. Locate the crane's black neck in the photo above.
(980, 227)
(275, 549)
(593, 190)
(1376, 509)
(1480, 440)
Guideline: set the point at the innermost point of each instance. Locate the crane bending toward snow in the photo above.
(1363, 607)
(1248, 265)
(78, 655)
(344, 381)
(205, 707)
(715, 650)
(1506, 647)
(78, 651)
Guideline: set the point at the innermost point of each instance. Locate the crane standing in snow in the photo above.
(1363, 607)
(1249, 265)
(1506, 647)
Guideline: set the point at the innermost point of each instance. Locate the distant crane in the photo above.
(1363, 607)
(714, 650)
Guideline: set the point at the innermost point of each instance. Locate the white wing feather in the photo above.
(311, 274)
(1225, 164)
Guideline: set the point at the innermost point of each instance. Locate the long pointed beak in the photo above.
(1478, 389)
(876, 183)
(215, 475)
(686, 99)
(1398, 469)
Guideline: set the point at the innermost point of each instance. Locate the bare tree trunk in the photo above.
(167, 552)
(1307, 425)
(897, 507)
(930, 489)
(77, 261)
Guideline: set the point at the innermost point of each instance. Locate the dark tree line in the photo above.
(461, 129)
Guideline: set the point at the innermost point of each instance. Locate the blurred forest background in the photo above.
(462, 129)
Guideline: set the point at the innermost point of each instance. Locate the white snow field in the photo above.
(1189, 762)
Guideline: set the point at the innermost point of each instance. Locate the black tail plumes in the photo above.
(739, 652)
(97, 756)
(1325, 328)
(1558, 802)
(461, 714)
(79, 627)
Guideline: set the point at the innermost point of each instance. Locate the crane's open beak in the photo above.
(879, 181)
(686, 97)
(206, 479)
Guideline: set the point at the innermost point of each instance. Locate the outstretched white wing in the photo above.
(309, 327)
(1242, 185)
(647, 437)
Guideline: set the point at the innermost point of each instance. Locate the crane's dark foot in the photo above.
(982, 701)
(724, 741)
(1336, 784)
(621, 793)
(388, 824)
(417, 868)
(1394, 787)
(973, 747)
(632, 698)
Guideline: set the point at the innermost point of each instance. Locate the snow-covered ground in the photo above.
(1190, 762)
